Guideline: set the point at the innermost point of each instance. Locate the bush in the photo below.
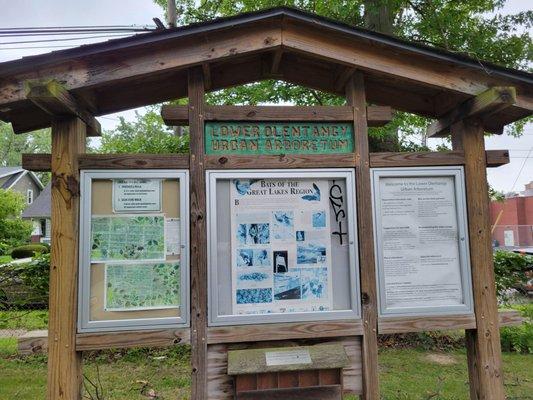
(510, 270)
(29, 250)
(519, 338)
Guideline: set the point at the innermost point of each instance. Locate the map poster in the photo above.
(281, 246)
(136, 195)
(420, 242)
(133, 287)
(128, 237)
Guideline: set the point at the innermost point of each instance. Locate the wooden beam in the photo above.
(41, 162)
(343, 77)
(64, 362)
(198, 236)
(128, 339)
(284, 331)
(56, 101)
(207, 76)
(355, 96)
(277, 55)
(178, 115)
(484, 104)
(282, 161)
(484, 355)
(391, 325)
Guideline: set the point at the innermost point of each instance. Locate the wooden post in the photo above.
(198, 236)
(64, 363)
(483, 343)
(355, 94)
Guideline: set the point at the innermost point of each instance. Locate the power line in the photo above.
(521, 168)
(66, 39)
(38, 47)
(77, 27)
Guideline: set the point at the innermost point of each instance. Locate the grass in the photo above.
(5, 259)
(27, 320)
(406, 374)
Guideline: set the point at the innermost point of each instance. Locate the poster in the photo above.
(133, 286)
(173, 236)
(136, 195)
(127, 237)
(419, 242)
(281, 246)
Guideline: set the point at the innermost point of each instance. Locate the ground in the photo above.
(406, 374)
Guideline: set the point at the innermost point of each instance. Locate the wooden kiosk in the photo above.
(376, 73)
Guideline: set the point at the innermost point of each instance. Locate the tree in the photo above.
(13, 229)
(471, 27)
(12, 146)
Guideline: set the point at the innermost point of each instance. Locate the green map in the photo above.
(128, 238)
(142, 286)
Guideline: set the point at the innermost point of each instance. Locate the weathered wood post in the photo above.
(64, 362)
(483, 343)
(198, 263)
(355, 95)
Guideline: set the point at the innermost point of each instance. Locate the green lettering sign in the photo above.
(278, 138)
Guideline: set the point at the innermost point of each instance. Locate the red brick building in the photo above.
(512, 220)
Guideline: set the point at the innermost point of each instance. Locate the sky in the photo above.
(39, 13)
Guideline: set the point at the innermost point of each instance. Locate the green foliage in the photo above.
(496, 195)
(146, 134)
(27, 319)
(13, 230)
(510, 270)
(519, 338)
(28, 250)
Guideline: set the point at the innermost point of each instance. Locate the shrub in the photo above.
(510, 270)
(519, 338)
(29, 250)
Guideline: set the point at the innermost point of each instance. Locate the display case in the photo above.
(282, 246)
(421, 235)
(134, 267)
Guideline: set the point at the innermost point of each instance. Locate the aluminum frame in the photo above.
(457, 172)
(214, 319)
(84, 279)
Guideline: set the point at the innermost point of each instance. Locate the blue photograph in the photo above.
(314, 283)
(254, 296)
(243, 185)
(300, 236)
(287, 286)
(244, 258)
(310, 253)
(253, 233)
(261, 258)
(283, 225)
(314, 196)
(249, 279)
(281, 261)
(319, 219)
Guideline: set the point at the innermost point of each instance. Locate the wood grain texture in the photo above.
(355, 94)
(41, 162)
(391, 325)
(486, 338)
(178, 115)
(488, 102)
(285, 331)
(33, 342)
(51, 97)
(128, 339)
(64, 362)
(333, 392)
(282, 161)
(220, 386)
(510, 318)
(198, 237)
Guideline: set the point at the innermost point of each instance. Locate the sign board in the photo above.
(508, 238)
(278, 138)
(287, 357)
(421, 241)
(136, 195)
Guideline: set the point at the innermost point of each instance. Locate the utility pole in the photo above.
(171, 14)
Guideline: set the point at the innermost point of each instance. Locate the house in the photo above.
(39, 213)
(22, 181)
(512, 220)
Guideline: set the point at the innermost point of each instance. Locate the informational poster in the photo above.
(133, 287)
(508, 238)
(136, 195)
(419, 242)
(127, 237)
(281, 246)
(173, 236)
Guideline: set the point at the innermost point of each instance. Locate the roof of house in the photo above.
(315, 51)
(14, 174)
(41, 206)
